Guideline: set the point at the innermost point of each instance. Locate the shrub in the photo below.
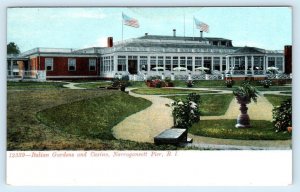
(229, 83)
(185, 113)
(266, 83)
(246, 91)
(189, 83)
(282, 116)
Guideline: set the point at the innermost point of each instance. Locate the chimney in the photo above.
(201, 34)
(146, 34)
(110, 42)
(174, 32)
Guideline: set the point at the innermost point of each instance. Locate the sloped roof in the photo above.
(249, 50)
(164, 37)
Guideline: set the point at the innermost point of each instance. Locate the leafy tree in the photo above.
(13, 48)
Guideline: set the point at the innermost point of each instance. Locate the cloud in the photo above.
(100, 42)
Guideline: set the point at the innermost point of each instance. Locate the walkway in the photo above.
(145, 125)
(72, 85)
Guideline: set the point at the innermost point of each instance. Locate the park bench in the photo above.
(172, 136)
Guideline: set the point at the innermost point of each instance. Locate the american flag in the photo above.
(202, 26)
(130, 21)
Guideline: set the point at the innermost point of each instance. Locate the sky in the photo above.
(264, 27)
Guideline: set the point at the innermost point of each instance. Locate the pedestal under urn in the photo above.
(243, 120)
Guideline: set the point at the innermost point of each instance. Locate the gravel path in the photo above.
(146, 124)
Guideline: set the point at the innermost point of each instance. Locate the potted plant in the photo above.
(266, 83)
(229, 83)
(189, 83)
(244, 94)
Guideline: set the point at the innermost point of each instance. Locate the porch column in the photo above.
(246, 65)
(11, 67)
(127, 64)
(252, 63)
(138, 64)
(212, 64)
(193, 63)
(233, 64)
(264, 66)
(148, 63)
(202, 62)
(283, 65)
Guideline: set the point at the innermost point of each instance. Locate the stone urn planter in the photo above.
(243, 120)
(244, 94)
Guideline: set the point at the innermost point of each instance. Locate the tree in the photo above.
(13, 48)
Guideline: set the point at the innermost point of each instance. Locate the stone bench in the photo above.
(172, 136)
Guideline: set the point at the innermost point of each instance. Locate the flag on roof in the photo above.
(201, 25)
(130, 21)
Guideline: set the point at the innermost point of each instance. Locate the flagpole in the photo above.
(122, 27)
(193, 27)
(184, 25)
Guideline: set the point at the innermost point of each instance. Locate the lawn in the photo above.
(211, 105)
(93, 118)
(34, 85)
(276, 100)
(94, 85)
(260, 130)
(26, 132)
(167, 91)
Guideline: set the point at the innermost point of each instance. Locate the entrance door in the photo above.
(132, 66)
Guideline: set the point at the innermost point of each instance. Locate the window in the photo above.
(279, 63)
(106, 63)
(217, 63)
(168, 63)
(72, 64)
(223, 63)
(112, 63)
(175, 62)
(152, 62)
(49, 64)
(121, 63)
(160, 62)
(271, 62)
(182, 61)
(189, 63)
(92, 64)
(143, 63)
(198, 62)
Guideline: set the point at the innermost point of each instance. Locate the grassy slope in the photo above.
(95, 117)
(31, 85)
(26, 132)
(211, 104)
(260, 130)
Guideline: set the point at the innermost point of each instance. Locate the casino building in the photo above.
(177, 57)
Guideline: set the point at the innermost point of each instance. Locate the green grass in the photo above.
(167, 91)
(286, 92)
(276, 100)
(211, 105)
(26, 132)
(95, 117)
(274, 88)
(34, 85)
(260, 130)
(94, 85)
